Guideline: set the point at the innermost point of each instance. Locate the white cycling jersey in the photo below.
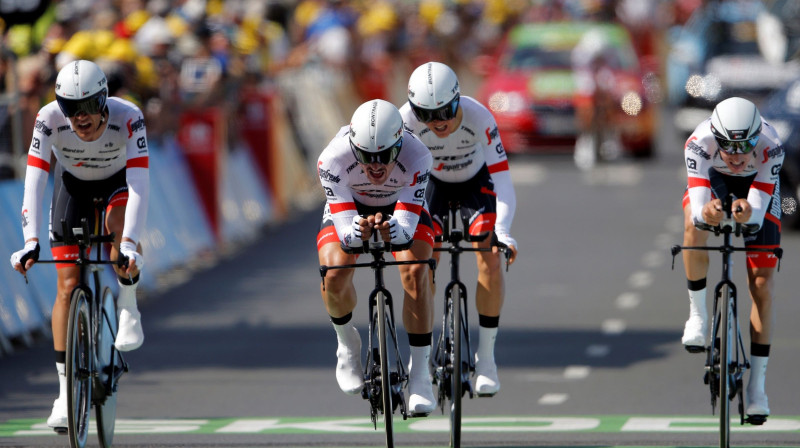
(459, 156)
(344, 182)
(123, 145)
(702, 153)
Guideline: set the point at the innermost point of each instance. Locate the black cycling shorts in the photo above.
(476, 199)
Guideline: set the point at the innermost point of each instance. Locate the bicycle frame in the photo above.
(452, 372)
(100, 376)
(383, 384)
(726, 361)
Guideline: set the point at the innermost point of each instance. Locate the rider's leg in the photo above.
(418, 322)
(130, 335)
(760, 281)
(696, 264)
(339, 296)
(489, 301)
(67, 280)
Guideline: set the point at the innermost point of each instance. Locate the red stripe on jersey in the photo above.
(775, 220)
(139, 162)
(699, 182)
(488, 191)
(38, 163)
(415, 209)
(342, 206)
(499, 166)
(767, 188)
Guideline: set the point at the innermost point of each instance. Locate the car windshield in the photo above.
(527, 58)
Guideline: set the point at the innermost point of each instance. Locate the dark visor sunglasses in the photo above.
(444, 113)
(385, 157)
(737, 147)
(91, 105)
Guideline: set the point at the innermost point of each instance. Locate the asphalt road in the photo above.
(242, 354)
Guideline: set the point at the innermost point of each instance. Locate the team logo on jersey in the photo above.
(25, 220)
(691, 163)
(492, 134)
(697, 149)
(418, 179)
(772, 153)
(135, 126)
(41, 127)
(776, 169)
(328, 176)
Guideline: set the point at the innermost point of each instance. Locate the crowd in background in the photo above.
(171, 55)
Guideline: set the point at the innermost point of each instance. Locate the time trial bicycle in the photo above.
(94, 365)
(453, 361)
(384, 373)
(726, 361)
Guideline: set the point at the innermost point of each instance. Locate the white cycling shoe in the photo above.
(757, 403)
(694, 334)
(486, 382)
(421, 401)
(129, 335)
(58, 418)
(349, 373)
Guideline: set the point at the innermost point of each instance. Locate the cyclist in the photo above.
(734, 151)
(100, 147)
(470, 165)
(374, 175)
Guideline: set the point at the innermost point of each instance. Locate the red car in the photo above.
(531, 89)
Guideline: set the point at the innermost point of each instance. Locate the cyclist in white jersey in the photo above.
(471, 166)
(374, 175)
(734, 151)
(100, 148)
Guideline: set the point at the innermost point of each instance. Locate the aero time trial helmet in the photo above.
(376, 132)
(433, 92)
(736, 124)
(81, 86)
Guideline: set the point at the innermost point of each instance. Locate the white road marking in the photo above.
(598, 350)
(628, 300)
(654, 258)
(640, 279)
(571, 373)
(527, 173)
(613, 326)
(553, 399)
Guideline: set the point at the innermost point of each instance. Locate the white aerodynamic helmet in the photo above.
(376, 132)
(433, 92)
(736, 124)
(81, 86)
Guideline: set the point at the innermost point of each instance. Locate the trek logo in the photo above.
(772, 153)
(492, 134)
(419, 179)
(135, 126)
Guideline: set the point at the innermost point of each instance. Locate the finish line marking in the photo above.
(506, 424)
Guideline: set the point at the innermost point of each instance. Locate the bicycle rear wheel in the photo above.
(107, 358)
(386, 381)
(79, 368)
(727, 338)
(456, 377)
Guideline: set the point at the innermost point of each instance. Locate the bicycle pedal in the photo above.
(756, 420)
(694, 348)
(419, 414)
(61, 431)
(480, 395)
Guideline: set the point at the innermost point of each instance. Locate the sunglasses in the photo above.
(385, 157)
(444, 113)
(737, 147)
(91, 105)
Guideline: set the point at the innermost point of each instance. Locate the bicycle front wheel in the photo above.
(727, 339)
(108, 359)
(79, 368)
(386, 380)
(455, 327)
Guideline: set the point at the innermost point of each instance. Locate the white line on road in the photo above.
(613, 326)
(553, 399)
(597, 351)
(628, 300)
(640, 279)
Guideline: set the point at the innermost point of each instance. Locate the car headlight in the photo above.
(506, 102)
